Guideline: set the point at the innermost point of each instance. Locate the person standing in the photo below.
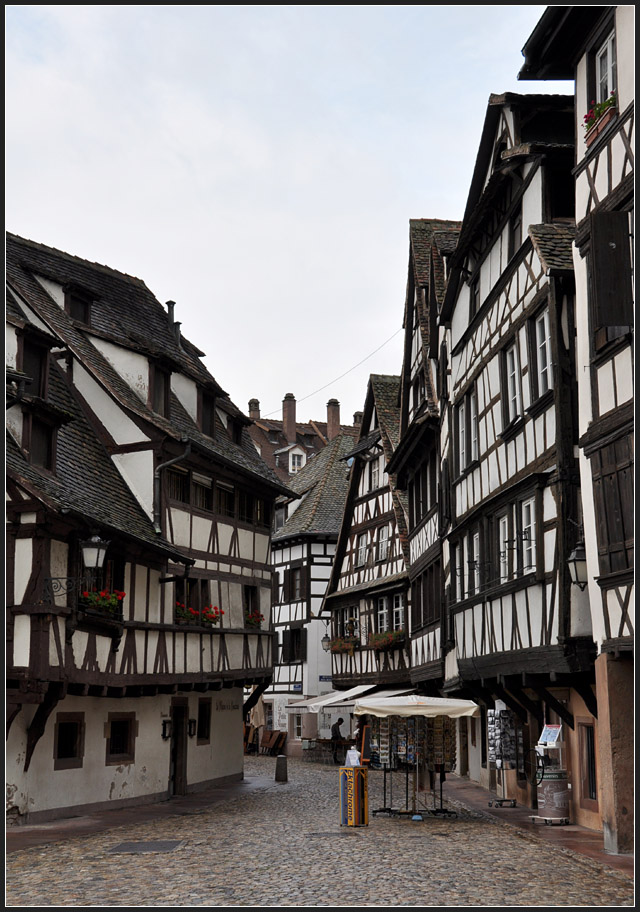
(336, 737)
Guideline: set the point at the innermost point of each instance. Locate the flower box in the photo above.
(344, 644)
(253, 619)
(389, 639)
(599, 117)
(103, 603)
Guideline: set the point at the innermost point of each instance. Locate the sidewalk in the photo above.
(571, 836)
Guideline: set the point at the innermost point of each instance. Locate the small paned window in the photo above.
(225, 499)
(202, 491)
(34, 361)
(263, 512)
(245, 506)
(68, 741)
(121, 732)
(361, 550)
(374, 474)
(504, 546)
(513, 401)
(296, 462)
(588, 779)
(462, 436)
(382, 549)
(473, 424)
(383, 614)
(606, 79)
(398, 611)
(542, 350)
(178, 483)
(78, 305)
(528, 535)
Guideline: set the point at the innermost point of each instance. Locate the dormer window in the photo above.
(159, 389)
(77, 304)
(296, 462)
(34, 365)
(38, 440)
(207, 414)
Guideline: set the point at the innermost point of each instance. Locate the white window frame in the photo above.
(503, 545)
(296, 462)
(383, 613)
(528, 534)
(606, 77)
(375, 473)
(361, 549)
(398, 611)
(544, 366)
(458, 571)
(474, 563)
(462, 436)
(382, 547)
(514, 391)
(473, 424)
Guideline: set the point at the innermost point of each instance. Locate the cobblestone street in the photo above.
(281, 844)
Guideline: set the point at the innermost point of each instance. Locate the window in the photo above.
(178, 483)
(374, 474)
(250, 603)
(504, 545)
(543, 372)
(474, 296)
(294, 645)
(296, 462)
(606, 82)
(473, 424)
(34, 364)
(474, 563)
(160, 390)
(296, 583)
(382, 549)
(280, 518)
(193, 593)
(263, 512)
(347, 621)
(426, 597)
(461, 425)
(41, 443)
(121, 731)
(203, 735)
(588, 780)
(466, 430)
(77, 304)
(513, 400)
(613, 488)
(297, 726)
(361, 550)
(68, 741)
(383, 614)
(457, 572)
(611, 284)
(202, 492)
(398, 611)
(207, 414)
(527, 533)
(245, 506)
(225, 499)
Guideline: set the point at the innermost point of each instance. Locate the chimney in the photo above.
(333, 418)
(254, 409)
(175, 327)
(289, 417)
(357, 419)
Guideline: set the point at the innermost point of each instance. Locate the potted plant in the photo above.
(598, 116)
(344, 644)
(103, 602)
(211, 615)
(253, 618)
(388, 639)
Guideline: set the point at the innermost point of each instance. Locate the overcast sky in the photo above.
(258, 165)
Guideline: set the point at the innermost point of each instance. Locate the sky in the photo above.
(258, 165)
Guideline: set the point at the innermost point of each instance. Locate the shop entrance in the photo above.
(178, 763)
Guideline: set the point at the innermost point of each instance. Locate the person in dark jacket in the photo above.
(336, 737)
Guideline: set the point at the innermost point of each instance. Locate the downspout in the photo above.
(156, 485)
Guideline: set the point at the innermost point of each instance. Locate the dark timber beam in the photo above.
(253, 698)
(555, 705)
(583, 689)
(480, 693)
(39, 722)
(511, 702)
(534, 708)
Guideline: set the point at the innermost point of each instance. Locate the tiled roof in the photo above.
(421, 233)
(125, 305)
(311, 436)
(553, 244)
(85, 482)
(386, 390)
(324, 480)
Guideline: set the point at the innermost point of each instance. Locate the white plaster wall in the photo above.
(14, 422)
(131, 365)
(624, 376)
(21, 640)
(10, 346)
(532, 203)
(181, 527)
(137, 471)
(23, 565)
(625, 54)
(121, 428)
(187, 392)
(245, 542)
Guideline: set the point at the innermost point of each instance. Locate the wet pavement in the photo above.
(265, 843)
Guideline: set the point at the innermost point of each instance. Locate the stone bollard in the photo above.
(281, 768)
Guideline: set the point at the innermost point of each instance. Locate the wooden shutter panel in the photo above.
(286, 647)
(275, 588)
(304, 582)
(286, 595)
(303, 645)
(611, 269)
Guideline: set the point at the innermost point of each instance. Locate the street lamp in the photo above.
(94, 551)
(578, 565)
(325, 642)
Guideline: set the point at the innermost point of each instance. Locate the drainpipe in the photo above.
(156, 484)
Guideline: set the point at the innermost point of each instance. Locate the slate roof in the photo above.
(325, 481)
(123, 309)
(86, 482)
(553, 243)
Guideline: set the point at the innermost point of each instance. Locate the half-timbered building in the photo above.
(124, 677)
(302, 553)
(368, 592)
(416, 461)
(520, 632)
(594, 45)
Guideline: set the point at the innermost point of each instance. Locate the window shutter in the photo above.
(611, 269)
(286, 647)
(303, 645)
(304, 582)
(275, 589)
(286, 595)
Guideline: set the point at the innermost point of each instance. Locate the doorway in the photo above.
(178, 763)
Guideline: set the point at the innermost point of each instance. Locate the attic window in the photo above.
(207, 414)
(159, 389)
(77, 304)
(41, 443)
(34, 362)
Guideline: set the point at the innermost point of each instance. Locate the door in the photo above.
(178, 767)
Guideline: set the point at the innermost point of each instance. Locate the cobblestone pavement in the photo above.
(282, 845)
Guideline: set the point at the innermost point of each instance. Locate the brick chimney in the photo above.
(357, 419)
(333, 418)
(254, 409)
(289, 417)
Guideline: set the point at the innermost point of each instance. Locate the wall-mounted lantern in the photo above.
(578, 565)
(193, 725)
(166, 729)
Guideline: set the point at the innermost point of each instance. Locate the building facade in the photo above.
(124, 680)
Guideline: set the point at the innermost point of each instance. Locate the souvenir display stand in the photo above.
(415, 736)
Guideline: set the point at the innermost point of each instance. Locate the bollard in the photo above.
(281, 768)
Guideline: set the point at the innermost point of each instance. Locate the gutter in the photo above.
(156, 483)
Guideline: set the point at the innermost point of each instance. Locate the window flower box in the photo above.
(599, 117)
(209, 616)
(344, 644)
(389, 639)
(105, 603)
(253, 619)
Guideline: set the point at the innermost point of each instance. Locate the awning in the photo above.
(415, 705)
(341, 698)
